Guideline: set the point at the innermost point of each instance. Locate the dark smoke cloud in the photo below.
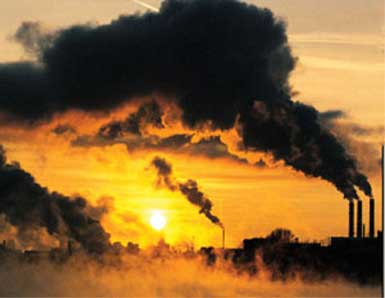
(147, 114)
(225, 53)
(103, 206)
(260, 163)
(210, 147)
(189, 189)
(129, 132)
(164, 171)
(331, 115)
(329, 120)
(357, 130)
(62, 129)
(27, 205)
(218, 59)
(25, 91)
(362, 141)
(33, 37)
(292, 132)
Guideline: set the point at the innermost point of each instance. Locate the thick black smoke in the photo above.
(219, 54)
(148, 113)
(164, 171)
(129, 132)
(27, 205)
(189, 189)
(219, 59)
(292, 132)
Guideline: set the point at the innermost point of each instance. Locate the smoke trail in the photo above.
(148, 6)
(164, 171)
(189, 189)
(230, 61)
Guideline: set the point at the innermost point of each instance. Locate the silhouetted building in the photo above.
(371, 218)
(351, 219)
(359, 219)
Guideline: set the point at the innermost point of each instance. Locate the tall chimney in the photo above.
(351, 219)
(371, 218)
(359, 219)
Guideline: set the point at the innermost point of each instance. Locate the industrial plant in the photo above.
(358, 256)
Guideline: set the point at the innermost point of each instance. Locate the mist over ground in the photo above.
(146, 276)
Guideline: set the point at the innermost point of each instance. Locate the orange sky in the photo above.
(336, 70)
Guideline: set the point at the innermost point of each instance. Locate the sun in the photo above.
(158, 220)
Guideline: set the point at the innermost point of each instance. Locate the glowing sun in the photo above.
(158, 220)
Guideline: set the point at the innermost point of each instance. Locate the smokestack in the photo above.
(359, 219)
(351, 219)
(363, 231)
(371, 218)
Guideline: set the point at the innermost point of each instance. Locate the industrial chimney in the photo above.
(359, 219)
(351, 219)
(371, 218)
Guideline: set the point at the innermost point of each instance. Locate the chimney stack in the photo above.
(371, 218)
(351, 219)
(359, 219)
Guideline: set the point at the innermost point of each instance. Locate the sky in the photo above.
(339, 46)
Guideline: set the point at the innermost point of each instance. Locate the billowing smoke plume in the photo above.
(131, 133)
(189, 189)
(63, 129)
(27, 205)
(164, 171)
(148, 113)
(220, 60)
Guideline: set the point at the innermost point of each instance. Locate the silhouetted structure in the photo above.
(351, 219)
(359, 219)
(371, 218)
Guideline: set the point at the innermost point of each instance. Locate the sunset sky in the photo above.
(339, 45)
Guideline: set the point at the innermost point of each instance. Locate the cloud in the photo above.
(28, 206)
(62, 129)
(147, 114)
(130, 132)
(230, 62)
(33, 37)
(331, 115)
(362, 141)
(209, 147)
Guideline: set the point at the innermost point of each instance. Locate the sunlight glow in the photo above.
(158, 220)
